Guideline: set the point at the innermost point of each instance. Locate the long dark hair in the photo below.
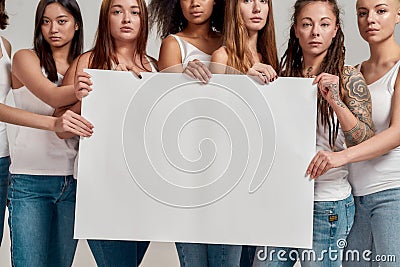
(42, 48)
(236, 39)
(168, 16)
(3, 15)
(103, 53)
(333, 63)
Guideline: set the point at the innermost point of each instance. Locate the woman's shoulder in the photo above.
(220, 55)
(350, 71)
(25, 57)
(170, 42)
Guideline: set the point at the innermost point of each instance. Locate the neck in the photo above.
(125, 52)
(311, 64)
(198, 30)
(60, 54)
(381, 53)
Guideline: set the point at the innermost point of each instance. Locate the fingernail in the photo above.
(140, 76)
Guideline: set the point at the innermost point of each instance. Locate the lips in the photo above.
(371, 30)
(315, 43)
(196, 13)
(126, 29)
(256, 19)
(53, 38)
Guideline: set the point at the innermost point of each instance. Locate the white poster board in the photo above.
(172, 159)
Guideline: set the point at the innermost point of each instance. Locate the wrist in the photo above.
(51, 123)
(346, 156)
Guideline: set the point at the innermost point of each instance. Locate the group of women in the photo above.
(358, 129)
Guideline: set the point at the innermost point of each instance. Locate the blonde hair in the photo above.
(236, 39)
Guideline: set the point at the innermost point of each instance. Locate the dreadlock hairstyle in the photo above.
(333, 63)
(42, 48)
(168, 16)
(103, 54)
(3, 15)
(236, 39)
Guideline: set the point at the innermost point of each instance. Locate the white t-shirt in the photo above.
(333, 185)
(381, 173)
(5, 85)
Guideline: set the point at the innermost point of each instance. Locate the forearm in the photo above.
(355, 129)
(25, 118)
(376, 146)
(63, 96)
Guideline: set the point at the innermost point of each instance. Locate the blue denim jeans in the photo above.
(41, 220)
(203, 255)
(375, 236)
(247, 257)
(332, 223)
(4, 165)
(114, 253)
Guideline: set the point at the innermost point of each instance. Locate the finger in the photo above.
(188, 72)
(81, 86)
(199, 76)
(136, 74)
(81, 94)
(314, 170)
(317, 79)
(69, 127)
(320, 169)
(311, 165)
(121, 67)
(77, 127)
(82, 122)
(270, 74)
(204, 68)
(204, 75)
(84, 79)
(83, 74)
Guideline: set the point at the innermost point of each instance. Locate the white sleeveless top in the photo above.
(333, 185)
(383, 172)
(40, 152)
(5, 85)
(189, 52)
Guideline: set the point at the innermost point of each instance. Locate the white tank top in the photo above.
(333, 185)
(189, 52)
(381, 173)
(40, 152)
(5, 85)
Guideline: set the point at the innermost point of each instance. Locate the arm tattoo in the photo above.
(357, 98)
(335, 95)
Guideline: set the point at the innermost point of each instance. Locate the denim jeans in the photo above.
(115, 253)
(4, 165)
(375, 235)
(42, 210)
(332, 223)
(203, 255)
(247, 257)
